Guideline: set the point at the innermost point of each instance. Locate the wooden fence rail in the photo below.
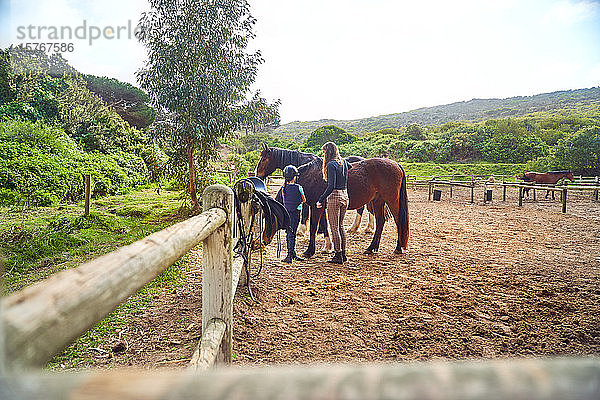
(41, 320)
(531, 379)
(486, 184)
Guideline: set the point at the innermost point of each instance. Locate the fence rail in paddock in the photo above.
(40, 321)
(563, 189)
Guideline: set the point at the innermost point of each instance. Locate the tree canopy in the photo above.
(198, 73)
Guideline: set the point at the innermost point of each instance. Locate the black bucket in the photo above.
(437, 195)
(488, 195)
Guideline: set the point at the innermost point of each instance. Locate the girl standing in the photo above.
(293, 197)
(335, 172)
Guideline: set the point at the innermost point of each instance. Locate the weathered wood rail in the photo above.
(531, 379)
(40, 321)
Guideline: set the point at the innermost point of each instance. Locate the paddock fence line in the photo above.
(40, 321)
(431, 183)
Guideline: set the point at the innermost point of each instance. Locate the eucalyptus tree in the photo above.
(198, 73)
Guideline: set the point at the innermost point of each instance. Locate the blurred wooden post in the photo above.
(217, 274)
(564, 200)
(472, 190)
(430, 190)
(88, 193)
(503, 189)
(520, 196)
(451, 181)
(596, 191)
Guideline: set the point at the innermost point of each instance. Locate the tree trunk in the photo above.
(192, 176)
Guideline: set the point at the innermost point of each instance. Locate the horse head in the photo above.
(570, 176)
(266, 165)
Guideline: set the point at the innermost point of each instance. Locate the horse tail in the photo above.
(403, 212)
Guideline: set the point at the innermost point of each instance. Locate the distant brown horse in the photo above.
(377, 180)
(546, 178)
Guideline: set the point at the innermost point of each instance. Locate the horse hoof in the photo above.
(306, 255)
(398, 251)
(369, 252)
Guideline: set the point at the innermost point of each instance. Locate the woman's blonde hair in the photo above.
(331, 153)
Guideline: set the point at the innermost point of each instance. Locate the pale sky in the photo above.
(351, 59)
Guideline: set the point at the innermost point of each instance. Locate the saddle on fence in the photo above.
(273, 214)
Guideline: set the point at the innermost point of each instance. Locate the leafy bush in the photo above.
(512, 141)
(326, 134)
(41, 165)
(581, 152)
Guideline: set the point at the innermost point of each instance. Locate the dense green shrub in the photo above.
(326, 134)
(41, 165)
(581, 152)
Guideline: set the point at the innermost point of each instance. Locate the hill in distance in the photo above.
(555, 103)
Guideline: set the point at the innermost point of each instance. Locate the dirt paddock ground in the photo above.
(477, 281)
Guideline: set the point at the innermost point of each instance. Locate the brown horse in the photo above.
(545, 178)
(377, 180)
(272, 158)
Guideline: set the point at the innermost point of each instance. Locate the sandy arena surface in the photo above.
(477, 281)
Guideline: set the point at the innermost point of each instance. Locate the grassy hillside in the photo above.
(556, 103)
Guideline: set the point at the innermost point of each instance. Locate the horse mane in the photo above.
(316, 163)
(566, 171)
(291, 157)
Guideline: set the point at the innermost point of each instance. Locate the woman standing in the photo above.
(335, 172)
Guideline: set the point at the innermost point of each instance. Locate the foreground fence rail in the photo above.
(40, 321)
(507, 379)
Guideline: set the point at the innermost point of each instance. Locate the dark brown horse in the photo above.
(272, 158)
(545, 178)
(377, 180)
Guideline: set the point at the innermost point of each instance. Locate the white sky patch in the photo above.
(115, 52)
(572, 12)
(348, 59)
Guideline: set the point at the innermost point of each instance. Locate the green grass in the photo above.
(39, 242)
(429, 169)
(79, 354)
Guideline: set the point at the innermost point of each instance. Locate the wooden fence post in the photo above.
(564, 200)
(430, 189)
(503, 189)
(472, 191)
(88, 193)
(596, 191)
(217, 275)
(520, 196)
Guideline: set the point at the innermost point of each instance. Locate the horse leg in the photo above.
(303, 227)
(327, 246)
(371, 225)
(315, 216)
(378, 207)
(357, 219)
